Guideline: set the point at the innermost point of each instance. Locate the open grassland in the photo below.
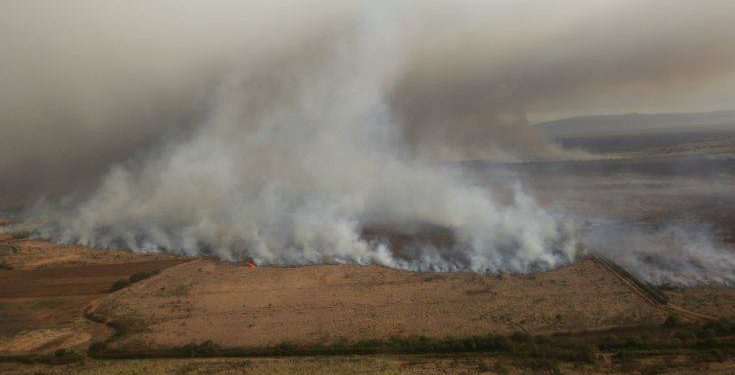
(235, 306)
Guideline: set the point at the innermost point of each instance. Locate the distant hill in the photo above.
(637, 123)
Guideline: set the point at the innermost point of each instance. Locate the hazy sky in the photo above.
(85, 84)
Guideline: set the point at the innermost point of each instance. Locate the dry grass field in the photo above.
(239, 307)
(45, 288)
(70, 304)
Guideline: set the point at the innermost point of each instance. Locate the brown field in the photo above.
(27, 254)
(711, 300)
(61, 305)
(235, 306)
(45, 288)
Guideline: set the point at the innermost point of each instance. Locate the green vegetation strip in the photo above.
(59, 357)
(708, 342)
(671, 337)
(536, 349)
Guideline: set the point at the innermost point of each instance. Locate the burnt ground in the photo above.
(654, 192)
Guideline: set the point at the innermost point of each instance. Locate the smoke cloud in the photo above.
(676, 255)
(88, 84)
(285, 130)
(295, 160)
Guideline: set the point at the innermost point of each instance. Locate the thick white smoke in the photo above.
(296, 159)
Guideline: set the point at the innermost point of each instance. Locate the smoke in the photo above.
(285, 131)
(297, 157)
(676, 255)
(558, 58)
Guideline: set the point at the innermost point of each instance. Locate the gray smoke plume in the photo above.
(285, 130)
(297, 156)
(676, 255)
(89, 84)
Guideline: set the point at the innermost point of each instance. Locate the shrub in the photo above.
(685, 334)
(140, 276)
(706, 333)
(126, 326)
(585, 354)
(120, 284)
(20, 235)
(286, 347)
(623, 358)
(721, 327)
(67, 356)
(546, 365)
(97, 346)
(205, 349)
(672, 321)
(609, 343)
(499, 369)
(636, 342)
(521, 337)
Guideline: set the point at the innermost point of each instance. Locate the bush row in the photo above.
(134, 278)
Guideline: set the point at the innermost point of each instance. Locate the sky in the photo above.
(87, 84)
